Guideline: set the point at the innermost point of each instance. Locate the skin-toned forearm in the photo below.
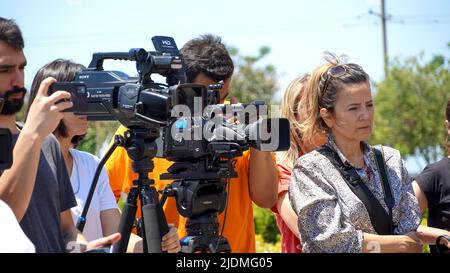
(110, 220)
(373, 243)
(428, 235)
(17, 183)
(263, 178)
(74, 240)
(287, 213)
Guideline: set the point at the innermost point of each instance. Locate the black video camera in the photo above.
(136, 102)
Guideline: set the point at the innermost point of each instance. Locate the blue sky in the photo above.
(297, 31)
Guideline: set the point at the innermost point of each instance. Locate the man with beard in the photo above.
(37, 187)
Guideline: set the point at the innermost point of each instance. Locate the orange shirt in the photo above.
(239, 227)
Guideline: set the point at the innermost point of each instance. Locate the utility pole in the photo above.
(383, 18)
(383, 26)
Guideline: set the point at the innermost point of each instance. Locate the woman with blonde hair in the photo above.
(337, 191)
(284, 214)
(350, 196)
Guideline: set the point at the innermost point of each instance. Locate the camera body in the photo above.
(78, 94)
(136, 102)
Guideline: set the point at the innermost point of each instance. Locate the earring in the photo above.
(330, 136)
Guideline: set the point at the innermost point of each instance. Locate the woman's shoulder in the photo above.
(389, 153)
(312, 160)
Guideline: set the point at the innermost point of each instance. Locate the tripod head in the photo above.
(141, 148)
(199, 191)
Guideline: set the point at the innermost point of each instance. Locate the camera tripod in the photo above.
(141, 148)
(200, 201)
(199, 190)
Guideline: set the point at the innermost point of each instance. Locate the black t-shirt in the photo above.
(434, 181)
(52, 194)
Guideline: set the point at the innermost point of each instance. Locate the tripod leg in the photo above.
(154, 221)
(126, 222)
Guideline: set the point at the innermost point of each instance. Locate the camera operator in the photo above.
(37, 187)
(104, 215)
(208, 62)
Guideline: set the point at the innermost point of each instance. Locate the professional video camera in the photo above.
(160, 123)
(143, 106)
(136, 102)
(204, 164)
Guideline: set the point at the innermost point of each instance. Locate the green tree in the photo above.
(251, 81)
(266, 225)
(410, 107)
(98, 132)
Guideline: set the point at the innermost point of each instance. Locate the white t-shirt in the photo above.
(12, 238)
(83, 171)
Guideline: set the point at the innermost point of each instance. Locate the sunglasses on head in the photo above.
(336, 72)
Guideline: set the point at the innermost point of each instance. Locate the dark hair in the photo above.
(10, 34)
(208, 55)
(61, 70)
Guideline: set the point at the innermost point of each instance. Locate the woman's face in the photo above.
(75, 124)
(353, 114)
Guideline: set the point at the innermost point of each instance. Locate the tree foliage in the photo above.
(98, 133)
(266, 225)
(410, 107)
(251, 81)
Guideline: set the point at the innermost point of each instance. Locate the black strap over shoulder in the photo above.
(387, 190)
(381, 220)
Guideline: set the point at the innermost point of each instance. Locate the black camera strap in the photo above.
(380, 219)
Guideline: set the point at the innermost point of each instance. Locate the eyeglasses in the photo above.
(335, 72)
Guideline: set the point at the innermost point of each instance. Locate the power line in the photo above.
(311, 25)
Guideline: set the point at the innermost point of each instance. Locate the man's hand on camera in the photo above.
(45, 114)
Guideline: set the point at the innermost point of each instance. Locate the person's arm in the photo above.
(428, 235)
(409, 215)
(75, 241)
(110, 220)
(287, 213)
(374, 243)
(17, 183)
(421, 197)
(263, 178)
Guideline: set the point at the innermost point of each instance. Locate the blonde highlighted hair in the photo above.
(315, 98)
(290, 110)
